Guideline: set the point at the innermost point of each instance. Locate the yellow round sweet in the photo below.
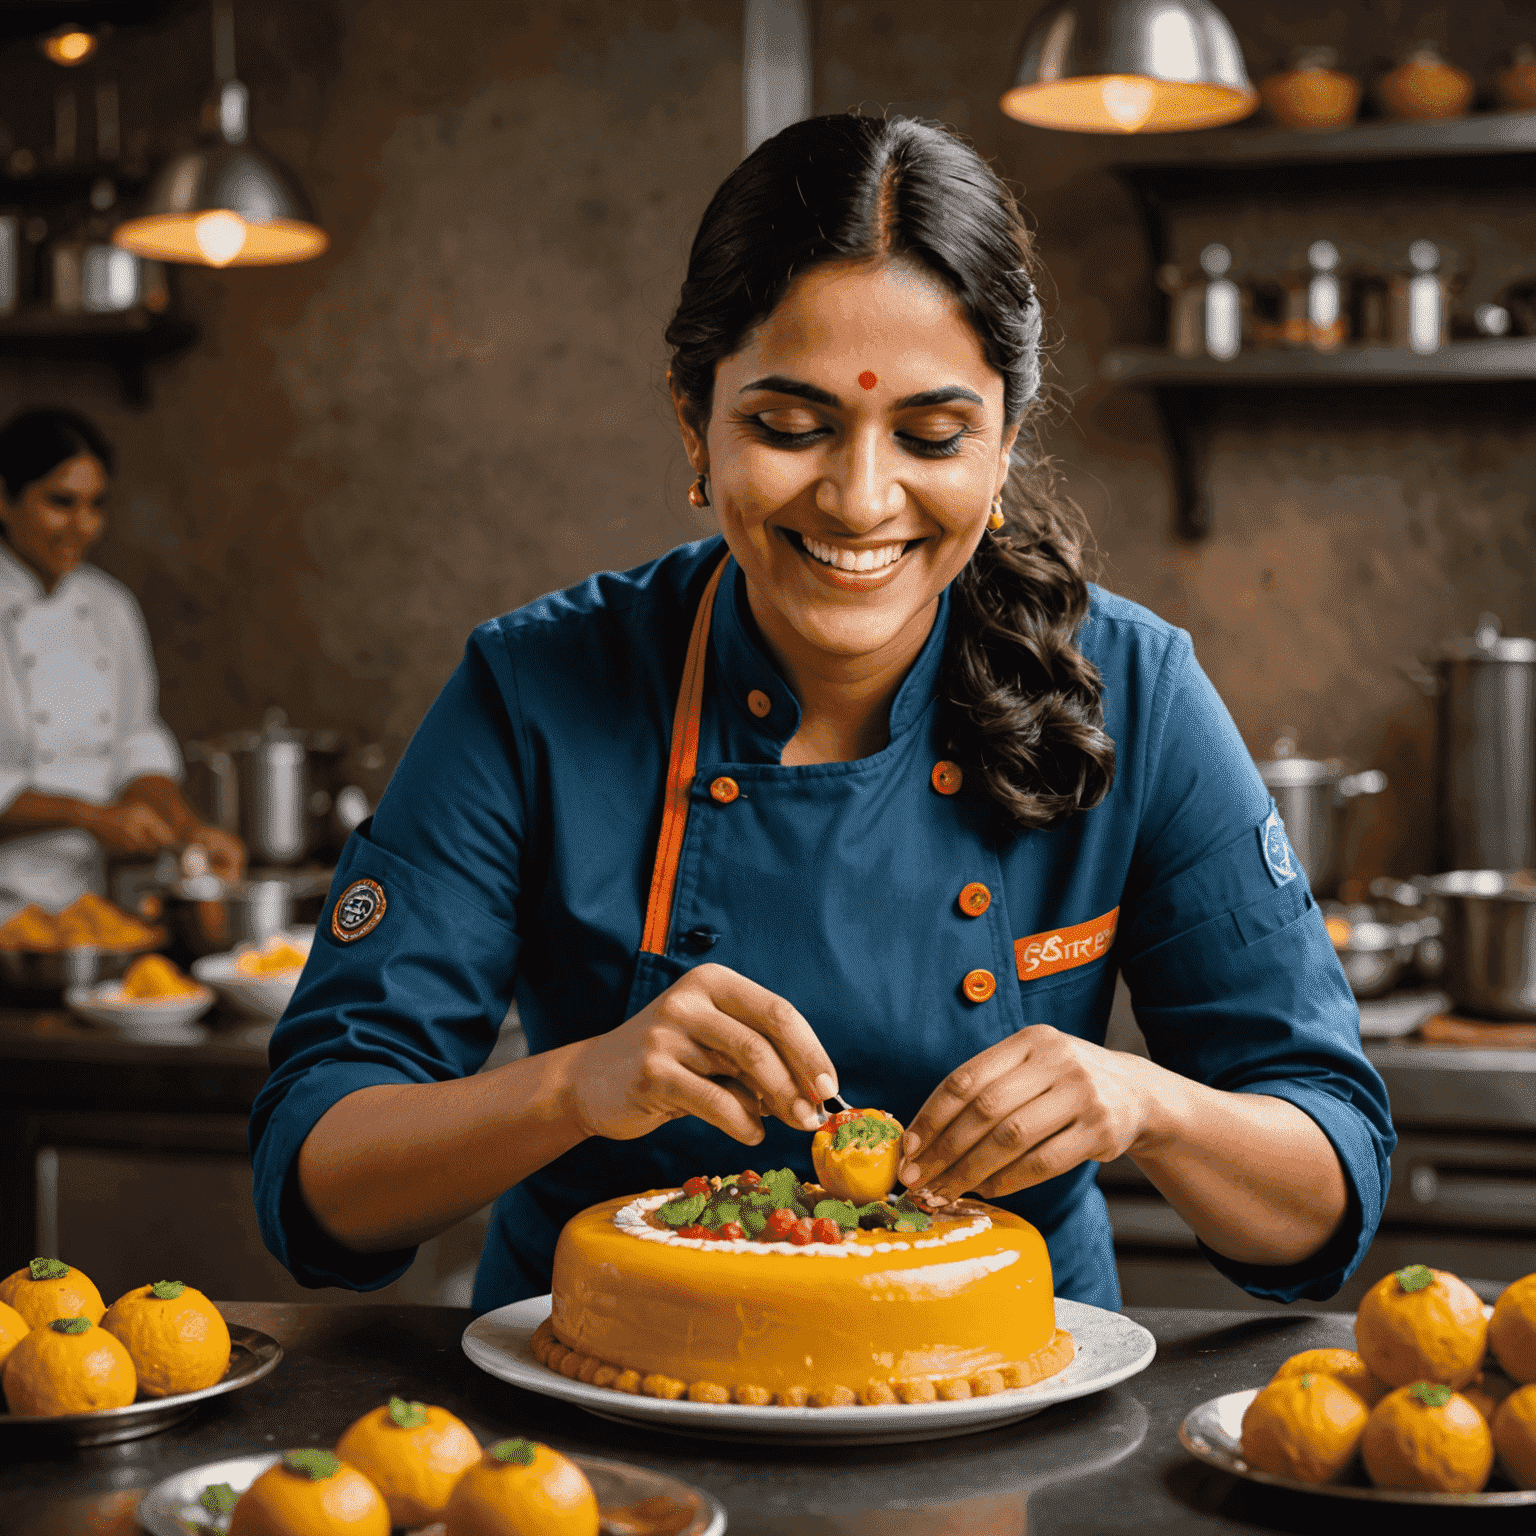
(522, 1488)
(1304, 1427)
(49, 1288)
(310, 1493)
(413, 1453)
(13, 1328)
(1425, 1438)
(1512, 1330)
(1514, 1435)
(1422, 1324)
(864, 1168)
(177, 1337)
(1343, 1365)
(67, 1366)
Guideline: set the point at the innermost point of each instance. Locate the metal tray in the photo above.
(1213, 1433)
(170, 1508)
(251, 1356)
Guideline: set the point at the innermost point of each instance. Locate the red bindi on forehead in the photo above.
(868, 380)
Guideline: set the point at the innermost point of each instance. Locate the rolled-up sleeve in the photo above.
(144, 743)
(1234, 980)
(419, 995)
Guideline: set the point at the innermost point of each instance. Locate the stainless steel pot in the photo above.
(1488, 919)
(1309, 795)
(271, 787)
(1486, 785)
(211, 915)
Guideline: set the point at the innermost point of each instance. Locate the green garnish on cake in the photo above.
(776, 1207)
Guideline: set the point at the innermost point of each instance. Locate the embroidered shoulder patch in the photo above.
(358, 910)
(1279, 857)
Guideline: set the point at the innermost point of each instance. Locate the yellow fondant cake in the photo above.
(961, 1307)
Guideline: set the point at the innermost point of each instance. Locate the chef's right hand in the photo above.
(128, 828)
(714, 1045)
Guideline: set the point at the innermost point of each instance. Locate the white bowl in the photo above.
(155, 1021)
(263, 996)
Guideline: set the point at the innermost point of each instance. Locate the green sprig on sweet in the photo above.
(1417, 1277)
(1431, 1394)
(407, 1415)
(48, 1269)
(867, 1131)
(70, 1324)
(219, 1499)
(519, 1453)
(167, 1290)
(313, 1463)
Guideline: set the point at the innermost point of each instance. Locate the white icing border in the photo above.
(630, 1220)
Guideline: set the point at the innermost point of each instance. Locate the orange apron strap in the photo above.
(681, 767)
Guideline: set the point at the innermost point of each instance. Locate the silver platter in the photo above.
(1213, 1433)
(251, 1356)
(170, 1508)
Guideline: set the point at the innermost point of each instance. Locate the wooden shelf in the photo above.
(1459, 362)
(1484, 150)
(127, 340)
(1476, 136)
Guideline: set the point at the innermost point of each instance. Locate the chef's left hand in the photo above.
(226, 853)
(1033, 1106)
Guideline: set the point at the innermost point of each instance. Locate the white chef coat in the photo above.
(78, 717)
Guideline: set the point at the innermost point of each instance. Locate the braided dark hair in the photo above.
(1023, 705)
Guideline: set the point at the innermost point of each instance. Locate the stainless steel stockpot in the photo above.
(1309, 795)
(1489, 933)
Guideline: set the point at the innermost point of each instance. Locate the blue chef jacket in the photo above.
(514, 849)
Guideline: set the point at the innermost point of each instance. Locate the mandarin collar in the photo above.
(19, 580)
(744, 668)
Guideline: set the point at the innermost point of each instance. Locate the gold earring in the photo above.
(697, 495)
(995, 517)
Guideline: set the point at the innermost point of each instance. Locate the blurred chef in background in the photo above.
(87, 767)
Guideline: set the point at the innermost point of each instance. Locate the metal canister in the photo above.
(1486, 784)
(1309, 795)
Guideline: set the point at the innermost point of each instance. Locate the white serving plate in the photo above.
(170, 1508)
(263, 996)
(1213, 1432)
(153, 1021)
(1110, 1348)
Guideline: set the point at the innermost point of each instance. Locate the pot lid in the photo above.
(1287, 771)
(1488, 642)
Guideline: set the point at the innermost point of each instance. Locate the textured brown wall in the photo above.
(1352, 531)
(461, 405)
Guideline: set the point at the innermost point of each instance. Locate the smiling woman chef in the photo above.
(87, 767)
(874, 796)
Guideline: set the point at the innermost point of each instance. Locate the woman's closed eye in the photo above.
(792, 434)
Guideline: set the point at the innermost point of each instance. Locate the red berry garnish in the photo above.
(778, 1225)
(748, 1180)
(826, 1230)
(730, 1232)
(702, 1233)
(697, 1186)
(802, 1232)
(842, 1117)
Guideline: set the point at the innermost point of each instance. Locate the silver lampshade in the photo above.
(225, 204)
(1131, 66)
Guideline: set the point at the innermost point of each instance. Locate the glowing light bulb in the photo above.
(220, 236)
(69, 45)
(1128, 101)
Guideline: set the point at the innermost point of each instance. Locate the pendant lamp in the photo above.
(1131, 66)
(225, 204)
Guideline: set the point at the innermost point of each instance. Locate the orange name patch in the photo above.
(1059, 949)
